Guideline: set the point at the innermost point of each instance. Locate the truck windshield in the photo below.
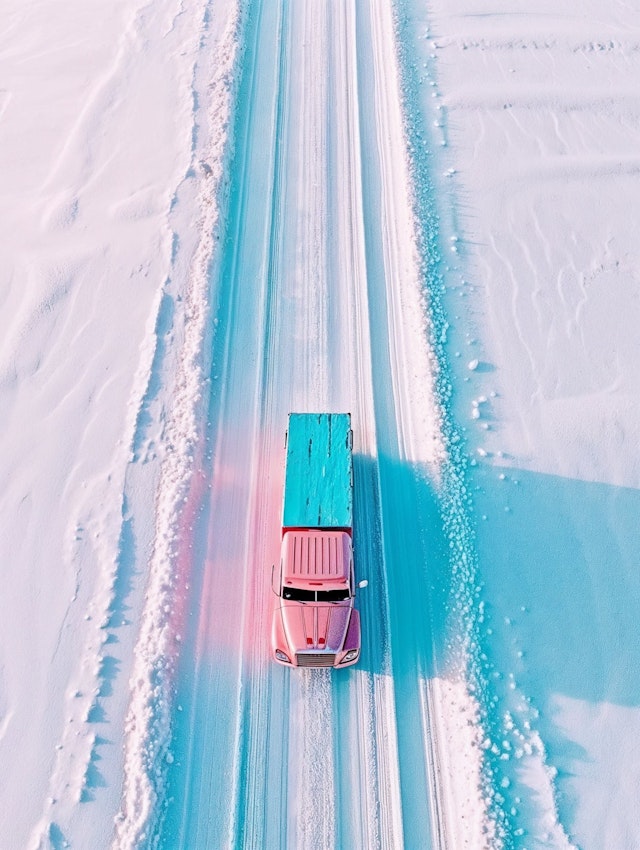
(333, 595)
(298, 594)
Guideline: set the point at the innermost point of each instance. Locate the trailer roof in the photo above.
(318, 490)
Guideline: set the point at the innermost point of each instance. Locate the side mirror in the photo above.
(275, 586)
(363, 583)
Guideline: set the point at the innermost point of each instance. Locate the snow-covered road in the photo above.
(317, 307)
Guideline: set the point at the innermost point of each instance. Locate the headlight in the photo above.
(350, 656)
(280, 655)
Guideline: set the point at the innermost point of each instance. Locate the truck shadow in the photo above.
(555, 617)
(560, 561)
(560, 569)
(401, 549)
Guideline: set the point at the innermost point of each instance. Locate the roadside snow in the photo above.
(95, 136)
(535, 110)
(148, 721)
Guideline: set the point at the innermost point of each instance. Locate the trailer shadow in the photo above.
(560, 565)
(555, 619)
(400, 548)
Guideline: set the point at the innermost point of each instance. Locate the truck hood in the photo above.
(315, 626)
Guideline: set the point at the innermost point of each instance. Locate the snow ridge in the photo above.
(500, 737)
(148, 723)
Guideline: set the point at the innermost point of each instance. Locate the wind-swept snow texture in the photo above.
(536, 110)
(103, 202)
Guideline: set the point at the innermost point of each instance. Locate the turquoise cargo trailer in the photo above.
(318, 489)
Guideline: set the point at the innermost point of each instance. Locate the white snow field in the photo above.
(420, 212)
(537, 108)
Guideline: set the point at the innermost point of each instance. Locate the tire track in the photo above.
(367, 775)
(218, 791)
(409, 433)
(260, 698)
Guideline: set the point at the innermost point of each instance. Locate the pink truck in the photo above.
(315, 623)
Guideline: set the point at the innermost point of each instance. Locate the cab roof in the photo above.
(316, 556)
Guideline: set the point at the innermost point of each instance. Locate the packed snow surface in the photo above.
(422, 213)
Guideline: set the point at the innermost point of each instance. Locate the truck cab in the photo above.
(315, 623)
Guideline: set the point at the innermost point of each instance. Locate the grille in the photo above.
(315, 659)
